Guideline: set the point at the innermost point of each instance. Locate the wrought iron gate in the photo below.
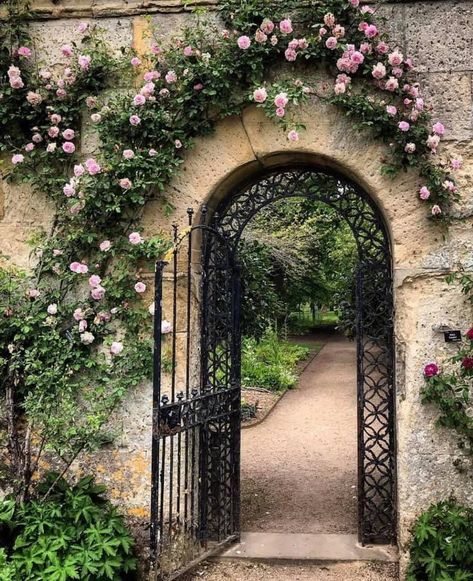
(196, 410)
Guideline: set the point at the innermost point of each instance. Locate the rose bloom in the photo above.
(56, 118)
(68, 147)
(139, 100)
(24, 51)
(92, 166)
(164, 93)
(285, 26)
(280, 112)
(52, 309)
(134, 120)
(331, 42)
(53, 131)
(433, 142)
(66, 50)
(260, 36)
(293, 135)
(29, 147)
(51, 147)
(340, 88)
(424, 193)
(281, 100)
(290, 54)
(438, 129)
(267, 26)
(97, 293)
(84, 61)
(371, 31)
(135, 62)
(125, 183)
(431, 369)
(391, 84)
(135, 238)
(177, 143)
(34, 98)
(243, 42)
(96, 117)
(116, 348)
(79, 170)
(68, 134)
(82, 27)
(391, 110)
(467, 363)
(436, 210)
(395, 58)
(404, 126)
(166, 327)
(95, 280)
(469, 334)
(69, 190)
(33, 293)
(105, 245)
(152, 152)
(128, 154)
(37, 138)
(260, 95)
(410, 147)
(87, 338)
(456, 164)
(323, 31)
(329, 19)
(82, 326)
(338, 31)
(140, 287)
(16, 83)
(17, 158)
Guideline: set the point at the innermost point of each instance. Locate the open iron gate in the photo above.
(196, 413)
(195, 501)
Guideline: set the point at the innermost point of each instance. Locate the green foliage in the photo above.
(442, 544)
(270, 363)
(73, 533)
(248, 410)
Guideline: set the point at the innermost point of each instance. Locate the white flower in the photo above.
(116, 347)
(166, 327)
(52, 309)
(87, 338)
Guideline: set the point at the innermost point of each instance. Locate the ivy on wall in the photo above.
(75, 332)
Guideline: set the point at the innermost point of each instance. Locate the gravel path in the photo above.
(248, 571)
(299, 465)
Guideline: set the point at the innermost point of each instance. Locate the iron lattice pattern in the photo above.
(374, 302)
(196, 402)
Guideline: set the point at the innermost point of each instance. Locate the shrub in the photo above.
(70, 533)
(270, 363)
(442, 545)
(248, 411)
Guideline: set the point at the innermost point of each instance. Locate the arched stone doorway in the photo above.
(195, 499)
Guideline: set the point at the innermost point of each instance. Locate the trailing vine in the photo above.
(75, 332)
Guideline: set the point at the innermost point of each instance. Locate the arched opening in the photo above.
(197, 429)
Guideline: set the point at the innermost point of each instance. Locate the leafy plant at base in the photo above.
(442, 544)
(270, 363)
(64, 533)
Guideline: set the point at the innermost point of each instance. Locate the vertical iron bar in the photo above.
(190, 213)
(360, 400)
(158, 295)
(236, 382)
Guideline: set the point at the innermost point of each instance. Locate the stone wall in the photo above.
(438, 35)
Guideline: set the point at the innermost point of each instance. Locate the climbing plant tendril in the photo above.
(75, 332)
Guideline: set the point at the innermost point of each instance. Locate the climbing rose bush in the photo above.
(67, 366)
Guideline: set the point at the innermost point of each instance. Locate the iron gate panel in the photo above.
(195, 502)
(196, 403)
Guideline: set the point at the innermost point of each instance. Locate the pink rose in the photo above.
(391, 110)
(395, 58)
(78, 314)
(267, 26)
(340, 88)
(456, 164)
(139, 100)
(438, 129)
(95, 280)
(290, 54)
(68, 134)
(391, 84)
(24, 51)
(366, 48)
(135, 61)
(34, 98)
(97, 293)
(431, 369)
(135, 238)
(56, 118)
(155, 49)
(436, 210)
(170, 77)
(92, 166)
(281, 100)
(69, 190)
(66, 50)
(285, 26)
(151, 76)
(116, 348)
(140, 287)
(243, 42)
(82, 326)
(323, 31)
(260, 95)
(135, 120)
(410, 147)
(280, 112)
(187, 50)
(128, 154)
(433, 142)
(419, 104)
(331, 42)
(403, 125)
(293, 135)
(79, 170)
(379, 71)
(105, 245)
(371, 31)
(52, 309)
(125, 183)
(329, 19)
(68, 147)
(53, 132)
(82, 27)
(29, 147)
(37, 138)
(152, 152)
(84, 61)
(17, 158)
(260, 36)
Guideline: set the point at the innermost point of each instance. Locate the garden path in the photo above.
(299, 466)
